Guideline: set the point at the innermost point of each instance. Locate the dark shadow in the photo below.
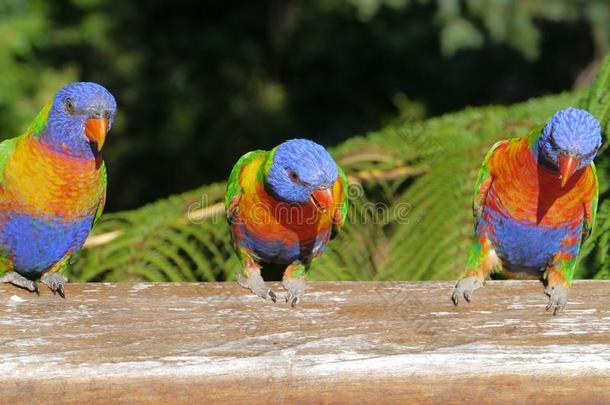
(550, 188)
(272, 271)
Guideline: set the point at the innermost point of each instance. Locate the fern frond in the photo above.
(409, 216)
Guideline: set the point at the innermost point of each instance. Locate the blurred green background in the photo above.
(199, 83)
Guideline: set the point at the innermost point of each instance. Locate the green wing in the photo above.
(233, 188)
(100, 206)
(6, 150)
(482, 184)
(591, 209)
(341, 212)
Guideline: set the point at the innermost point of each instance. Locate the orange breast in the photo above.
(532, 192)
(40, 180)
(270, 219)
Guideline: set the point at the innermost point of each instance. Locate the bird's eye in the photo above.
(69, 105)
(553, 141)
(293, 175)
(107, 115)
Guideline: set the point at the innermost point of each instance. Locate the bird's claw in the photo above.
(465, 288)
(56, 282)
(296, 290)
(254, 281)
(272, 295)
(292, 300)
(60, 291)
(558, 297)
(20, 281)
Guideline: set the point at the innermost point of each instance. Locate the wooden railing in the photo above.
(348, 342)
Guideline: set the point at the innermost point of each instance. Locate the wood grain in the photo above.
(348, 342)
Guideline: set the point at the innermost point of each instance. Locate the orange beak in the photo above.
(322, 199)
(567, 167)
(96, 130)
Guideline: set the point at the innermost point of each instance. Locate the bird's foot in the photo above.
(465, 288)
(254, 281)
(56, 282)
(558, 297)
(556, 287)
(296, 289)
(17, 279)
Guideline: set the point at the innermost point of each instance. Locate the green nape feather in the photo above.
(41, 119)
(588, 227)
(344, 205)
(7, 148)
(100, 207)
(233, 187)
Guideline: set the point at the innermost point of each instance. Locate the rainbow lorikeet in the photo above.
(53, 186)
(283, 206)
(534, 205)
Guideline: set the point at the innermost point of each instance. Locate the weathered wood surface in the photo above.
(346, 343)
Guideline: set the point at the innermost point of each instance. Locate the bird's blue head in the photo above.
(570, 140)
(301, 171)
(79, 118)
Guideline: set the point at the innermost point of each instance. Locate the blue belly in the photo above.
(281, 253)
(35, 244)
(522, 246)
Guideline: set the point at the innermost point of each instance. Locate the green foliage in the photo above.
(200, 83)
(598, 99)
(24, 28)
(164, 241)
(595, 260)
(409, 217)
(466, 24)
